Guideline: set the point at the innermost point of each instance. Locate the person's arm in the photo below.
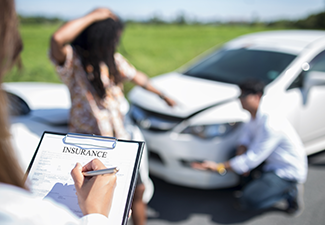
(264, 143)
(143, 81)
(261, 147)
(95, 194)
(220, 168)
(69, 31)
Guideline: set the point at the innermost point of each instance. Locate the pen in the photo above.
(100, 172)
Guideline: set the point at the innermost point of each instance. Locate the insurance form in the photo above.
(49, 173)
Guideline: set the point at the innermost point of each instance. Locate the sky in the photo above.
(200, 10)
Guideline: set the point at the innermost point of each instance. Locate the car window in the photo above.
(317, 64)
(237, 65)
(17, 106)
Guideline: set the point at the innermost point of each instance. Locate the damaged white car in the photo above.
(206, 122)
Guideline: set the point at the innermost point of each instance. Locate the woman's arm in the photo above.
(69, 31)
(142, 80)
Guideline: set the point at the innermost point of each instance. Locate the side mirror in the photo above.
(312, 78)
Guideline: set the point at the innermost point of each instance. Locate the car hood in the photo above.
(191, 94)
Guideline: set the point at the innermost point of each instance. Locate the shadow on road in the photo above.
(175, 203)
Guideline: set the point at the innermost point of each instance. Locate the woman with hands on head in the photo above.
(84, 53)
(94, 39)
(17, 205)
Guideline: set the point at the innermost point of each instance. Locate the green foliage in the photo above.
(39, 20)
(282, 23)
(153, 49)
(315, 21)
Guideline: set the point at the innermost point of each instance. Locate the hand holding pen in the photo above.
(94, 193)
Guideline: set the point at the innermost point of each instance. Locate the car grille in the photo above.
(153, 121)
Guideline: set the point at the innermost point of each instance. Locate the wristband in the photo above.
(220, 168)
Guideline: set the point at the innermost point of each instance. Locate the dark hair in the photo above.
(10, 41)
(97, 43)
(252, 86)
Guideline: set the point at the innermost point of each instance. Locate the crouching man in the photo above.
(271, 140)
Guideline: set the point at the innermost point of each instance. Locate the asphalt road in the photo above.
(173, 204)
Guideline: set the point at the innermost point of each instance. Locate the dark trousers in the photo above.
(265, 191)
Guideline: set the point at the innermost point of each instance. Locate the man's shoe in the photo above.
(296, 201)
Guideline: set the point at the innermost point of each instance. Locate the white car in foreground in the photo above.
(207, 120)
(35, 108)
(38, 107)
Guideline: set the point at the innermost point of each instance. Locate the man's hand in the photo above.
(206, 165)
(209, 165)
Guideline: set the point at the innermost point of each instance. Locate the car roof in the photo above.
(288, 41)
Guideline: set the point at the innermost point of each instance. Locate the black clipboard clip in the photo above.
(90, 141)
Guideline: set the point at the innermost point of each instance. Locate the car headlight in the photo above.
(211, 131)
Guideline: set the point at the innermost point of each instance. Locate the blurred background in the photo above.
(160, 36)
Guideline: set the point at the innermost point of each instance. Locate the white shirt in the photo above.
(272, 139)
(18, 206)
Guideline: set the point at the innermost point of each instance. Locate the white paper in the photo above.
(50, 174)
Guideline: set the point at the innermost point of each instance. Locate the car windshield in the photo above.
(237, 65)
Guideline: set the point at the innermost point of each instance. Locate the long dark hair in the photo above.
(97, 43)
(10, 47)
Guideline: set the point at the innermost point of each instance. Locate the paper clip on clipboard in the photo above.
(90, 141)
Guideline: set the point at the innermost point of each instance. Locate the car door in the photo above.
(311, 121)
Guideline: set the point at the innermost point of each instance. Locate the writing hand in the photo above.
(95, 194)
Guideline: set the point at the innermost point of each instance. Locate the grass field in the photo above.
(153, 49)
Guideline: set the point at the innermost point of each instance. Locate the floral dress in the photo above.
(89, 114)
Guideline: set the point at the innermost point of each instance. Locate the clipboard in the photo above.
(48, 174)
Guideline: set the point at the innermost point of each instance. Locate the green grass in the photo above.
(36, 65)
(153, 49)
